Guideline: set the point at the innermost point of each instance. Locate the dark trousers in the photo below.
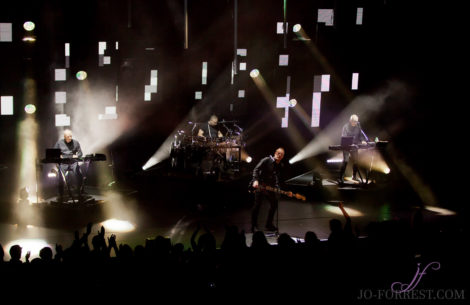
(353, 155)
(70, 170)
(273, 202)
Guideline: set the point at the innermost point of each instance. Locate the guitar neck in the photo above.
(275, 190)
(279, 191)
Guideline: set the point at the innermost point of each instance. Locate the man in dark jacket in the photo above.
(267, 172)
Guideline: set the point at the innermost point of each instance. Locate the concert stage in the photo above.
(173, 206)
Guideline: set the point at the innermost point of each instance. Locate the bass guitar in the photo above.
(268, 188)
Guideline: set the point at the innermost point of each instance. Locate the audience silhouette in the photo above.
(337, 268)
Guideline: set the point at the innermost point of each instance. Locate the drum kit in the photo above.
(192, 152)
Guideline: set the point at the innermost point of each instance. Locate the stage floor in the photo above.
(135, 216)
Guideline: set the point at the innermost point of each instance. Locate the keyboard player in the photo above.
(352, 129)
(70, 149)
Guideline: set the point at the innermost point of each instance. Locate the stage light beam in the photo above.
(440, 211)
(27, 146)
(161, 154)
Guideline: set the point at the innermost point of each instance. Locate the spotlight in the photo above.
(292, 102)
(81, 75)
(336, 210)
(254, 73)
(386, 170)
(29, 26)
(117, 225)
(297, 28)
(30, 109)
(248, 159)
(33, 245)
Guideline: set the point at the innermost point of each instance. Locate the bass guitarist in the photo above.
(266, 172)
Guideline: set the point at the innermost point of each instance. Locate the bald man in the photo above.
(211, 129)
(268, 172)
(69, 148)
(352, 129)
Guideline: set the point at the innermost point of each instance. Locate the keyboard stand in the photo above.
(62, 175)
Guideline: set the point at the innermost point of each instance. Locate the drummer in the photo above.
(211, 129)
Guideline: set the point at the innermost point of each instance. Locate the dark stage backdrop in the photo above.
(202, 67)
